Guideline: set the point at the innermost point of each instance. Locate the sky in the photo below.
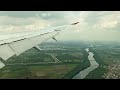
(94, 25)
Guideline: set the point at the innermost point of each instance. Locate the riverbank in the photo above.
(81, 66)
(99, 71)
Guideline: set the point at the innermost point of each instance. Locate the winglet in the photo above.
(75, 23)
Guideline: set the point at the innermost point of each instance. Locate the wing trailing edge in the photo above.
(16, 48)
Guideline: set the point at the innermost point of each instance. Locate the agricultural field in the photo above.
(54, 61)
(36, 72)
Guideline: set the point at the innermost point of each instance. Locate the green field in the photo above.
(36, 72)
(34, 64)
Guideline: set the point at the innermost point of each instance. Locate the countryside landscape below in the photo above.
(64, 60)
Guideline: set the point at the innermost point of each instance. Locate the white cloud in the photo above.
(93, 24)
(14, 24)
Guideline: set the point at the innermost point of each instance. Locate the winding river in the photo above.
(93, 64)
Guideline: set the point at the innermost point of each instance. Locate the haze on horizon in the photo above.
(94, 25)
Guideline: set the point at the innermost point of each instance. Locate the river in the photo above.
(93, 64)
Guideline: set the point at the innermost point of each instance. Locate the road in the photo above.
(56, 60)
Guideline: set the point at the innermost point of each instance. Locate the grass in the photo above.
(72, 58)
(36, 72)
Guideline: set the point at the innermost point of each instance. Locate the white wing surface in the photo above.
(16, 44)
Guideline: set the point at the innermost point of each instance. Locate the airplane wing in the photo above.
(17, 44)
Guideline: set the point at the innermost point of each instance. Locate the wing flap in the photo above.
(6, 52)
(23, 45)
(1, 65)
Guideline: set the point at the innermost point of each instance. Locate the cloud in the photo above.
(108, 20)
(34, 19)
(93, 24)
(17, 24)
(96, 25)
